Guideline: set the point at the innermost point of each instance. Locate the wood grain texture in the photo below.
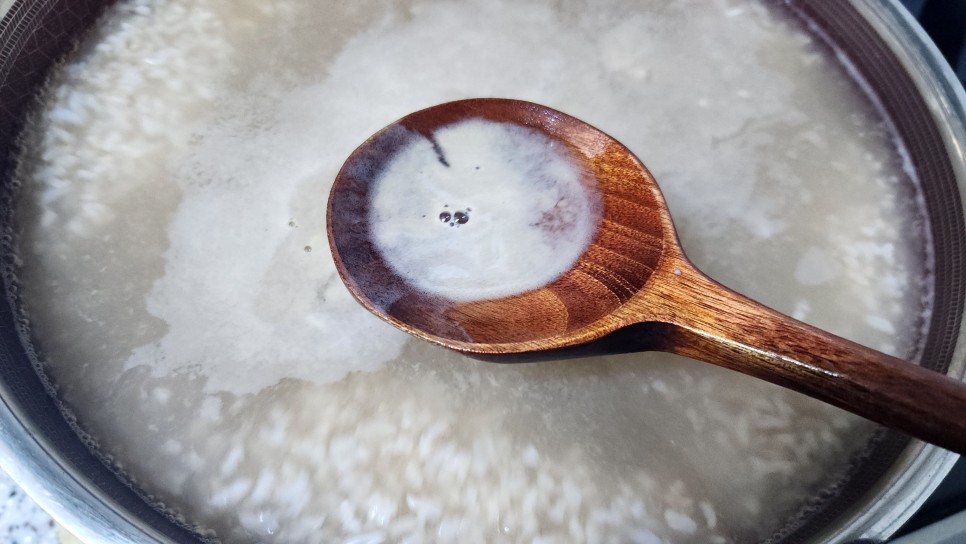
(627, 247)
(633, 289)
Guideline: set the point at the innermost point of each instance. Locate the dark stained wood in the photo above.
(627, 248)
(633, 277)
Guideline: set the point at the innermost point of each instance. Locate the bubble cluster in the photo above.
(461, 217)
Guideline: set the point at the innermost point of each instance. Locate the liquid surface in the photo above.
(532, 210)
(176, 176)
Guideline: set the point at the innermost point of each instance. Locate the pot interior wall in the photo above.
(35, 35)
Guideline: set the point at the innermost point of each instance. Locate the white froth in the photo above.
(269, 309)
(485, 210)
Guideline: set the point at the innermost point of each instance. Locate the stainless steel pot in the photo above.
(40, 449)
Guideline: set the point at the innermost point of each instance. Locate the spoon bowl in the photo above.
(632, 288)
(577, 307)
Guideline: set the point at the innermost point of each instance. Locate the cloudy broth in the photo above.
(179, 285)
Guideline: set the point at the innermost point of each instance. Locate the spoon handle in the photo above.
(705, 320)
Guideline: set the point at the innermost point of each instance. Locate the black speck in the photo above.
(461, 217)
(440, 156)
(445, 217)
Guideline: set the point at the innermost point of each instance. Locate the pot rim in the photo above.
(921, 468)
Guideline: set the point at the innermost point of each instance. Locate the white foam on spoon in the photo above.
(484, 211)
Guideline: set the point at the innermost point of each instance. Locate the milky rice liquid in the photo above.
(534, 209)
(180, 290)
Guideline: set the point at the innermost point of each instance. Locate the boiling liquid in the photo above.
(179, 169)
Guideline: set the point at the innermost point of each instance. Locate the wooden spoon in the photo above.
(631, 290)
